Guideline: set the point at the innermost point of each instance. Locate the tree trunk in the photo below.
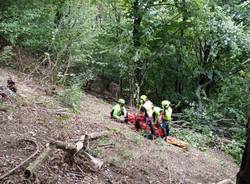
(137, 71)
(179, 80)
(243, 176)
(33, 167)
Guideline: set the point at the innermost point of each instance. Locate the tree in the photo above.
(244, 173)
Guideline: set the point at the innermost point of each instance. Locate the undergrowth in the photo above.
(206, 138)
(72, 97)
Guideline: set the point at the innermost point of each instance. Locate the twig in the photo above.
(223, 119)
(181, 121)
(106, 145)
(23, 162)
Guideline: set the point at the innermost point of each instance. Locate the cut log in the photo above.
(95, 161)
(30, 170)
(71, 148)
(92, 136)
(96, 135)
(65, 146)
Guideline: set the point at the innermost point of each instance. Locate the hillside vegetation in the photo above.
(133, 158)
(72, 59)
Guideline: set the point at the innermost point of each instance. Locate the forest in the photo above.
(194, 53)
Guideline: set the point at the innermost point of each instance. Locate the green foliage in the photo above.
(180, 46)
(72, 97)
(26, 25)
(235, 93)
(234, 149)
(6, 55)
(197, 140)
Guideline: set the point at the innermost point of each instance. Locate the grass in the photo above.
(136, 139)
(146, 172)
(123, 155)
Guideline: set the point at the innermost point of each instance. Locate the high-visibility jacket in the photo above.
(157, 113)
(167, 113)
(147, 108)
(117, 111)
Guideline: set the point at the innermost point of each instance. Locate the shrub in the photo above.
(72, 97)
(234, 149)
(6, 55)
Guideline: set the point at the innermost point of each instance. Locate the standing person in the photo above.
(166, 116)
(146, 110)
(119, 110)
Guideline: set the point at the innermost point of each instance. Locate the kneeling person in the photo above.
(119, 110)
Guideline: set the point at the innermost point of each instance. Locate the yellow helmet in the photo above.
(121, 101)
(165, 103)
(144, 98)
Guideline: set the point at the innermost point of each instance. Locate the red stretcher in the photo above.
(158, 132)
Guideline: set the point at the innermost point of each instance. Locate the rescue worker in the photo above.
(156, 114)
(146, 110)
(166, 116)
(119, 110)
(143, 99)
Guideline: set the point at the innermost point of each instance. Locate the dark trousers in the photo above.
(165, 127)
(150, 124)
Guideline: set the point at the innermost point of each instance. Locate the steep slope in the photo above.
(133, 159)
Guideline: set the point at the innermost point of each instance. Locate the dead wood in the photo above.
(96, 135)
(92, 136)
(31, 169)
(71, 148)
(97, 163)
(108, 145)
(3, 110)
(81, 145)
(64, 145)
(23, 162)
(181, 122)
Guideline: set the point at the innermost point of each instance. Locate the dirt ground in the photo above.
(39, 118)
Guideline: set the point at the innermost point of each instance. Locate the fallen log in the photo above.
(97, 163)
(96, 135)
(65, 146)
(182, 122)
(30, 170)
(81, 145)
(92, 136)
(71, 148)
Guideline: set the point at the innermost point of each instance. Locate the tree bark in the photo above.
(243, 176)
(137, 71)
(36, 164)
(179, 80)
